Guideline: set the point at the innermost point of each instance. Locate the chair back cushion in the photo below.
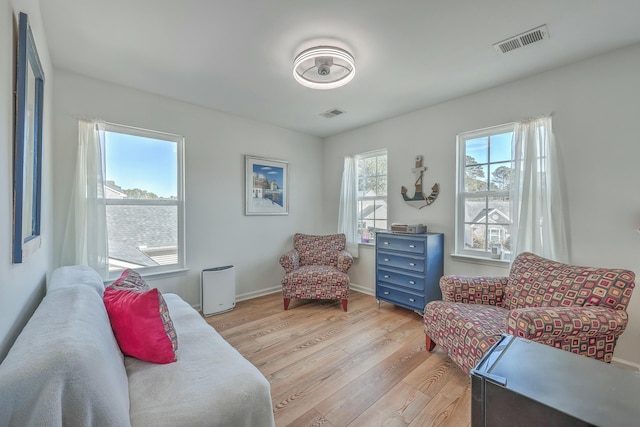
(538, 282)
(319, 250)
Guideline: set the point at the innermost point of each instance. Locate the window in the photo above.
(483, 217)
(371, 170)
(144, 198)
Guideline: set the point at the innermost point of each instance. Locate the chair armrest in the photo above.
(557, 323)
(473, 290)
(290, 261)
(345, 261)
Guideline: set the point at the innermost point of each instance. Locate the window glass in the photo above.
(143, 191)
(482, 205)
(372, 194)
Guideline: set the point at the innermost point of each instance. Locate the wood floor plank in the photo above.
(398, 407)
(365, 367)
(325, 381)
(448, 407)
(354, 398)
(312, 419)
(431, 376)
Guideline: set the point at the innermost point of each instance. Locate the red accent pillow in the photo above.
(141, 324)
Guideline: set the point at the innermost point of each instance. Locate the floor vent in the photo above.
(521, 40)
(332, 113)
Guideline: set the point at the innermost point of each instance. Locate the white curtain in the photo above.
(536, 192)
(348, 216)
(86, 234)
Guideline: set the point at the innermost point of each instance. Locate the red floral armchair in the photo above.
(316, 268)
(577, 309)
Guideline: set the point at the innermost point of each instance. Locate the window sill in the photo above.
(503, 263)
(154, 274)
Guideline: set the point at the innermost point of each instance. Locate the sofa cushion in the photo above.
(319, 250)
(321, 282)
(464, 331)
(537, 282)
(65, 368)
(141, 323)
(223, 388)
(75, 275)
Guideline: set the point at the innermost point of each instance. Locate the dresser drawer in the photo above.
(401, 279)
(404, 244)
(388, 259)
(402, 298)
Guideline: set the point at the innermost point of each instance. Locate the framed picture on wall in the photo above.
(266, 186)
(27, 157)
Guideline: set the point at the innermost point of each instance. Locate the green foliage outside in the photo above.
(136, 193)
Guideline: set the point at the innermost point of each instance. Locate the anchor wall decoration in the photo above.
(419, 199)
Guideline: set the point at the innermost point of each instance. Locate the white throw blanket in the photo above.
(63, 364)
(66, 369)
(211, 384)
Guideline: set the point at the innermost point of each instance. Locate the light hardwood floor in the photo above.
(366, 367)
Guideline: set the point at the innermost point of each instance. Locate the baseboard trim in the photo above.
(625, 364)
(260, 293)
(362, 289)
(276, 289)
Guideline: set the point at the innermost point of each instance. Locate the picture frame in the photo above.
(27, 157)
(266, 186)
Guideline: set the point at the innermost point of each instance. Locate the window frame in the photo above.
(462, 195)
(374, 199)
(179, 202)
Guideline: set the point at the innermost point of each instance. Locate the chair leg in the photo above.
(344, 304)
(286, 303)
(430, 343)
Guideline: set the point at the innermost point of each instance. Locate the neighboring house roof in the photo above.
(475, 211)
(494, 215)
(113, 191)
(146, 227)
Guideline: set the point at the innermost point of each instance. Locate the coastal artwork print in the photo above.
(266, 186)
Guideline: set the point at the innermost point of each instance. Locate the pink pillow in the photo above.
(141, 324)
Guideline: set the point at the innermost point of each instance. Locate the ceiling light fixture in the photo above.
(324, 67)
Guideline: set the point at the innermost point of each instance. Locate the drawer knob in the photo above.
(412, 299)
(412, 246)
(386, 276)
(386, 260)
(386, 292)
(387, 243)
(411, 282)
(412, 264)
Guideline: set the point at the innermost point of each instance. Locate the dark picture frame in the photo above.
(27, 157)
(266, 186)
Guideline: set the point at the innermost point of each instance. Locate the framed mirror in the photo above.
(27, 157)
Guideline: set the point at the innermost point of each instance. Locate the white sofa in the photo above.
(66, 369)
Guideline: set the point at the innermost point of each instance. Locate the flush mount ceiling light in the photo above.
(324, 67)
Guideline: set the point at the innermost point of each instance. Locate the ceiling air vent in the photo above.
(331, 113)
(521, 40)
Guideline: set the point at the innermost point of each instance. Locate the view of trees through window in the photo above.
(372, 194)
(483, 197)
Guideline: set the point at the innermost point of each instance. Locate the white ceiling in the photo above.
(236, 55)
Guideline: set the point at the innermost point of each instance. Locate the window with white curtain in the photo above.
(144, 197)
(483, 213)
(371, 172)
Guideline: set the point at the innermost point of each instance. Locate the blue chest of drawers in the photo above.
(409, 268)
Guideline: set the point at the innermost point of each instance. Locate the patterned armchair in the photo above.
(577, 309)
(316, 268)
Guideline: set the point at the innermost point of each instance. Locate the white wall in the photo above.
(21, 285)
(217, 231)
(595, 106)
